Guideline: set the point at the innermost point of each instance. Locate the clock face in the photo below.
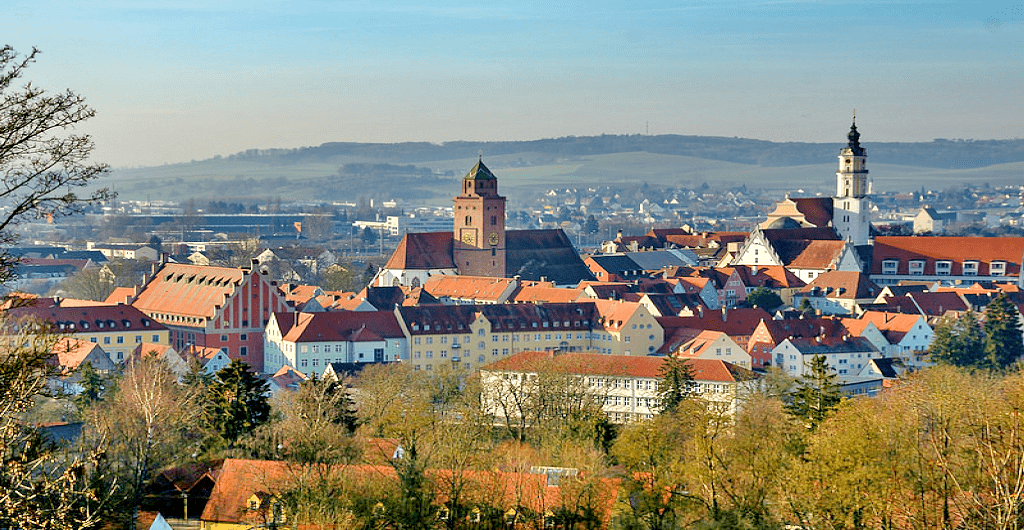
(493, 238)
(469, 237)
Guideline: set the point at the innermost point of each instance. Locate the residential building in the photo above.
(627, 387)
(846, 355)
(116, 328)
(837, 292)
(947, 260)
(309, 342)
(714, 345)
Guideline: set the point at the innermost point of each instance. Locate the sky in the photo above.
(179, 80)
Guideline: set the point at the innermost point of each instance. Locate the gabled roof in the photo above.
(71, 352)
(809, 254)
(819, 346)
(545, 292)
(423, 251)
(616, 365)
(482, 288)
(849, 285)
(339, 326)
(189, 290)
(90, 319)
(386, 298)
(696, 346)
(544, 254)
(956, 249)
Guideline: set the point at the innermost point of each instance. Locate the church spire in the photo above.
(853, 138)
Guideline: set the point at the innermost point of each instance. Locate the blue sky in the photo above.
(181, 79)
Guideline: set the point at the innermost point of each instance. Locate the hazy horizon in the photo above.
(183, 80)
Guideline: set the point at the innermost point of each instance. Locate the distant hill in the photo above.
(343, 170)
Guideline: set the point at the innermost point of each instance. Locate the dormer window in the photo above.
(916, 267)
(890, 266)
(943, 267)
(997, 268)
(971, 268)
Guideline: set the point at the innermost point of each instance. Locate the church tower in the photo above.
(479, 238)
(850, 216)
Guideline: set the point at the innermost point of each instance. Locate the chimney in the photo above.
(725, 313)
(700, 311)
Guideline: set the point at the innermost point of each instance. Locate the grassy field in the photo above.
(519, 173)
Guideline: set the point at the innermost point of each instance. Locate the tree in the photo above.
(94, 386)
(368, 236)
(42, 163)
(315, 423)
(816, 393)
(87, 284)
(958, 341)
(1003, 344)
(764, 298)
(41, 485)
(149, 420)
(676, 383)
(237, 400)
(591, 226)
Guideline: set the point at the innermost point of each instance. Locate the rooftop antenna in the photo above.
(855, 116)
(480, 153)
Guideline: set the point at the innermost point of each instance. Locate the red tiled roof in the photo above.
(190, 290)
(843, 284)
(70, 352)
(545, 293)
(90, 319)
(956, 249)
(810, 254)
(120, 295)
(334, 326)
(467, 287)
(428, 250)
(616, 365)
(816, 210)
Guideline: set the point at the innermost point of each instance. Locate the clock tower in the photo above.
(478, 248)
(850, 216)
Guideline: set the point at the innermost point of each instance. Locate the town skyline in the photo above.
(171, 83)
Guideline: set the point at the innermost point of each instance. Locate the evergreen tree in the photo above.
(764, 298)
(237, 400)
(958, 341)
(816, 393)
(676, 383)
(94, 386)
(1003, 345)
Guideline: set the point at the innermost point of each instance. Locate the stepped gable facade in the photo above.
(215, 307)
(481, 246)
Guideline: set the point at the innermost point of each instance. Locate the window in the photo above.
(997, 268)
(244, 351)
(120, 339)
(138, 339)
(106, 340)
(156, 338)
(223, 338)
(243, 336)
(916, 267)
(943, 267)
(970, 268)
(416, 340)
(890, 266)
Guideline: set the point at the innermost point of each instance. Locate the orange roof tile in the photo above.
(850, 285)
(468, 287)
(190, 290)
(428, 250)
(956, 249)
